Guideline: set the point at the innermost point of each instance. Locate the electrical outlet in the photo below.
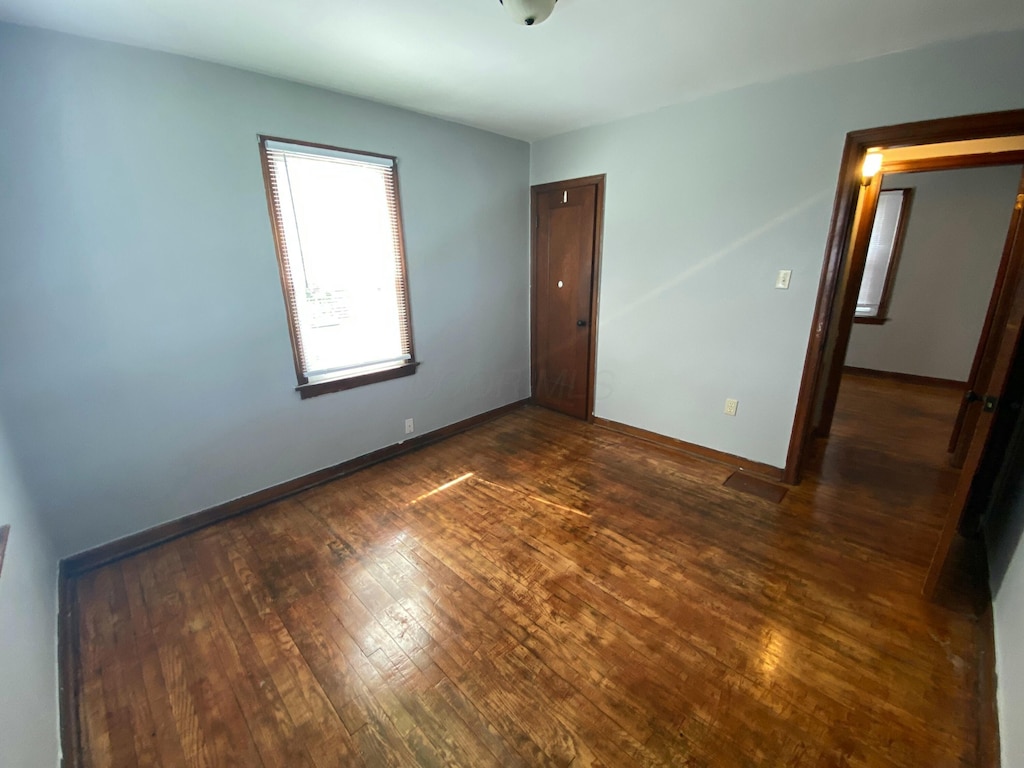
(731, 406)
(782, 282)
(409, 427)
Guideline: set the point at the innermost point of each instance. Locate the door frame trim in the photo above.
(1000, 368)
(1006, 267)
(595, 280)
(1010, 265)
(980, 126)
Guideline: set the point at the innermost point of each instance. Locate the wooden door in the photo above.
(997, 359)
(566, 225)
(1008, 274)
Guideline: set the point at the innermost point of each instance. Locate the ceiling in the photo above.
(464, 60)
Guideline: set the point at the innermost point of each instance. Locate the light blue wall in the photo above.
(943, 283)
(1008, 609)
(707, 200)
(1004, 528)
(145, 364)
(28, 644)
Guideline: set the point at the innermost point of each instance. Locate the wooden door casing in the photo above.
(849, 290)
(826, 311)
(997, 360)
(566, 236)
(1008, 274)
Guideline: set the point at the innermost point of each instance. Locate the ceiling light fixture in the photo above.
(529, 12)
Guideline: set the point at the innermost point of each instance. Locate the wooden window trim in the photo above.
(315, 388)
(897, 250)
(306, 388)
(878, 320)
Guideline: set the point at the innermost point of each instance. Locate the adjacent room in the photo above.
(511, 383)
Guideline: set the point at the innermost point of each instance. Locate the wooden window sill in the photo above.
(871, 320)
(317, 388)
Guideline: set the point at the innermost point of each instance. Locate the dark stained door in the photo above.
(1009, 269)
(997, 359)
(563, 280)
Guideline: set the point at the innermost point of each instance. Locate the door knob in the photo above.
(581, 323)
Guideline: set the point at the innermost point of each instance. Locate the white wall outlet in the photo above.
(782, 281)
(409, 427)
(731, 406)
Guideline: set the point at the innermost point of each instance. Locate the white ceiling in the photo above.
(464, 60)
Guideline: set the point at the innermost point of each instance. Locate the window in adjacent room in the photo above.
(338, 229)
(883, 254)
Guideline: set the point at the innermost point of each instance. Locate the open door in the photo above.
(995, 360)
(1009, 273)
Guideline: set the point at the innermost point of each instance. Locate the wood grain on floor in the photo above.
(756, 486)
(539, 591)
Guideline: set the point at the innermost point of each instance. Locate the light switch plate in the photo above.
(782, 283)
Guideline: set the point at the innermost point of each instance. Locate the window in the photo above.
(883, 253)
(338, 231)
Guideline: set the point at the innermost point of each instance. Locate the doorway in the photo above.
(567, 224)
(934, 269)
(974, 141)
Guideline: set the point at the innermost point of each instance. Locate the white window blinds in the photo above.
(880, 252)
(338, 231)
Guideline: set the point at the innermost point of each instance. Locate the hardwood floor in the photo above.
(540, 591)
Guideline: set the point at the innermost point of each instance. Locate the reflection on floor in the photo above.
(888, 448)
(540, 591)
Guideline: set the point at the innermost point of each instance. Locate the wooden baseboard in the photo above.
(908, 378)
(71, 568)
(681, 446)
(83, 562)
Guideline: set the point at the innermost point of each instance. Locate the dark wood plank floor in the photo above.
(539, 591)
